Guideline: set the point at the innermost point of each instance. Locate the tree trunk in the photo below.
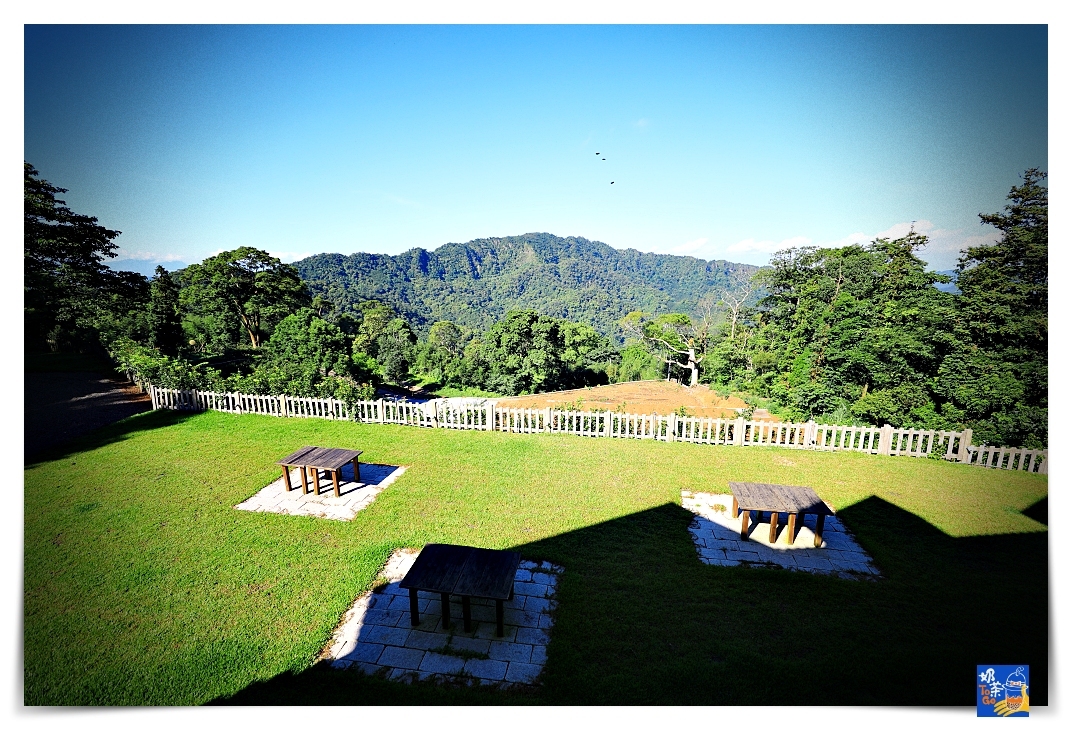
(251, 330)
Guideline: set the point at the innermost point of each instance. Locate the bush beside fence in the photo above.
(949, 445)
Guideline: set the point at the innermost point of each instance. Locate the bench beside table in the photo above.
(795, 502)
(317, 458)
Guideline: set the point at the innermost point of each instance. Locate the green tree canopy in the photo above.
(859, 326)
(245, 291)
(165, 314)
(997, 373)
(394, 347)
(678, 339)
(374, 318)
(441, 357)
(527, 352)
(309, 356)
(63, 265)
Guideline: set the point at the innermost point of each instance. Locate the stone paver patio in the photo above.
(353, 498)
(718, 541)
(375, 634)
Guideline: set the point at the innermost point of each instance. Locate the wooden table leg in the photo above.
(773, 527)
(304, 479)
(414, 611)
(335, 480)
(744, 524)
(357, 471)
(819, 520)
(446, 609)
(286, 477)
(499, 628)
(792, 527)
(467, 615)
(736, 508)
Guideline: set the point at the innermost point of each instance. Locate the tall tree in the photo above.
(375, 316)
(859, 326)
(677, 335)
(122, 308)
(527, 352)
(309, 356)
(63, 260)
(1004, 285)
(246, 287)
(998, 374)
(394, 348)
(165, 315)
(732, 300)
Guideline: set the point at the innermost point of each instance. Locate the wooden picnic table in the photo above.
(317, 458)
(778, 499)
(469, 572)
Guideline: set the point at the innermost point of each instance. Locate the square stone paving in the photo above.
(353, 496)
(375, 634)
(717, 535)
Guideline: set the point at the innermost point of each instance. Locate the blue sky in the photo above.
(722, 141)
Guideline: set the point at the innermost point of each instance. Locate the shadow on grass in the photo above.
(110, 433)
(641, 621)
(1039, 511)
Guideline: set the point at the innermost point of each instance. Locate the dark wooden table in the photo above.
(469, 572)
(317, 458)
(777, 499)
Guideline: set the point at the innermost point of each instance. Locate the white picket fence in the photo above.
(949, 445)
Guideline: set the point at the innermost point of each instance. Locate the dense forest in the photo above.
(475, 284)
(859, 334)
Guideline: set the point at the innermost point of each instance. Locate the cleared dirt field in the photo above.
(642, 396)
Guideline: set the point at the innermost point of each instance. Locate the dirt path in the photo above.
(60, 406)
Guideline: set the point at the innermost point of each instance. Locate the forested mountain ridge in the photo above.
(476, 283)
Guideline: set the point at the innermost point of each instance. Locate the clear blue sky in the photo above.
(722, 141)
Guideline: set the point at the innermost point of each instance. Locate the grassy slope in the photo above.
(144, 586)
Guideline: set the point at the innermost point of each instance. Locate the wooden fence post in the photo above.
(809, 434)
(491, 417)
(547, 419)
(963, 455)
(671, 427)
(379, 410)
(885, 439)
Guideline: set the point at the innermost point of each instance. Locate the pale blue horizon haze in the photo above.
(723, 142)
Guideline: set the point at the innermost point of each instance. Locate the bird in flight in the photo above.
(604, 159)
(611, 182)
(597, 154)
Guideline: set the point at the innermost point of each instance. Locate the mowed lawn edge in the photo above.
(144, 586)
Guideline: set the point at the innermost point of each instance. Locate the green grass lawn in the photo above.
(144, 586)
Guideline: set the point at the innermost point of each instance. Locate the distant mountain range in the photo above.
(475, 283)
